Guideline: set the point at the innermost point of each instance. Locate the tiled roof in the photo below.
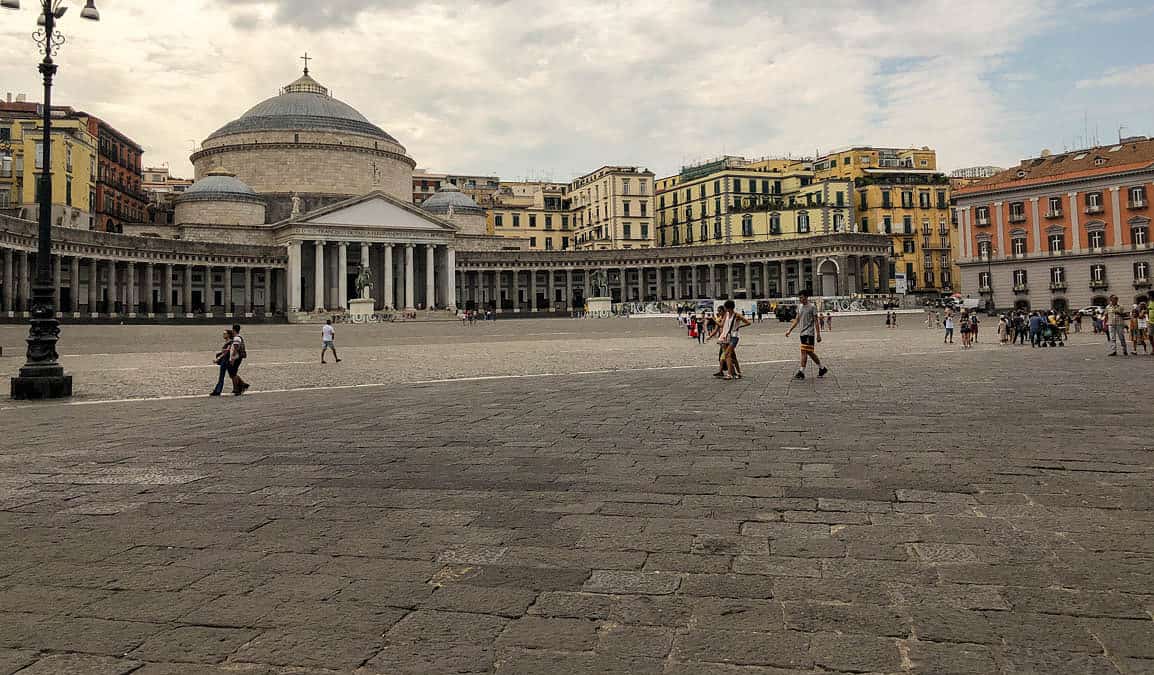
(1106, 160)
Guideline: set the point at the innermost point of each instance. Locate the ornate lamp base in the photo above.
(41, 386)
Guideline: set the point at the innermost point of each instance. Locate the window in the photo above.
(983, 279)
(516, 220)
(677, 236)
(644, 208)
(717, 228)
(1137, 197)
(689, 234)
(839, 198)
(644, 230)
(548, 222)
(548, 243)
(532, 220)
(907, 224)
(1138, 235)
(747, 225)
(716, 206)
(737, 185)
(908, 246)
(1141, 271)
(704, 231)
(946, 280)
(700, 191)
(1057, 276)
(625, 207)
(1055, 208)
(1019, 244)
(864, 200)
(942, 200)
(776, 187)
(39, 155)
(689, 212)
(865, 224)
(924, 200)
(983, 215)
(907, 199)
(565, 242)
(624, 186)
(943, 229)
(1097, 239)
(764, 187)
(886, 202)
(716, 187)
(1097, 273)
(68, 157)
(626, 231)
(1093, 202)
(802, 222)
(68, 191)
(1057, 242)
(983, 249)
(1017, 212)
(887, 224)
(775, 223)
(533, 242)
(1019, 278)
(838, 221)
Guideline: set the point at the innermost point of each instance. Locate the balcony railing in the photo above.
(1021, 288)
(1017, 217)
(985, 289)
(1137, 203)
(1054, 213)
(1057, 285)
(983, 222)
(1094, 208)
(1141, 283)
(1099, 284)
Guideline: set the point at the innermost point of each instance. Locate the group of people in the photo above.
(472, 316)
(1119, 322)
(1041, 327)
(229, 359)
(726, 328)
(967, 324)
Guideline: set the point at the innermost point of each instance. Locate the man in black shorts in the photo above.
(810, 335)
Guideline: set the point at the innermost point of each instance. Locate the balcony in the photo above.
(1017, 217)
(1054, 213)
(1021, 288)
(1136, 203)
(985, 289)
(1057, 285)
(1099, 284)
(1141, 283)
(1093, 208)
(983, 222)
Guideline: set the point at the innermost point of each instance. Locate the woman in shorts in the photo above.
(966, 327)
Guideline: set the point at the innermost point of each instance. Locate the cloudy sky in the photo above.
(548, 90)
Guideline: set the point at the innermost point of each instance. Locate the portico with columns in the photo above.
(410, 253)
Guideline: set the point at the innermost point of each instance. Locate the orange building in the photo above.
(1060, 231)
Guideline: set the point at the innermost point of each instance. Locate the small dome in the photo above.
(450, 196)
(303, 105)
(219, 183)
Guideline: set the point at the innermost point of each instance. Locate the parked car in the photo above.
(1090, 310)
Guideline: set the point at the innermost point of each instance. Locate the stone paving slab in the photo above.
(920, 511)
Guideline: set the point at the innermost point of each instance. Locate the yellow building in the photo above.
(900, 192)
(735, 200)
(73, 165)
(532, 212)
(612, 208)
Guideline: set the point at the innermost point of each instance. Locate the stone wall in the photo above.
(468, 223)
(227, 234)
(466, 242)
(221, 212)
(341, 164)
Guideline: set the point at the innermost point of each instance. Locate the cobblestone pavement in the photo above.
(924, 511)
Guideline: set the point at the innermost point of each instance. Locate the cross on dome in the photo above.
(306, 58)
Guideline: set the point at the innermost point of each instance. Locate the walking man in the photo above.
(810, 335)
(239, 386)
(328, 335)
(1115, 321)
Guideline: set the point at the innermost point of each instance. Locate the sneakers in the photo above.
(822, 371)
(799, 375)
(214, 393)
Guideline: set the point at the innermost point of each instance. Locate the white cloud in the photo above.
(550, 89)
(1131, 77)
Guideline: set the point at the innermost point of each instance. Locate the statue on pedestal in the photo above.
(599, 283)
(364, 282)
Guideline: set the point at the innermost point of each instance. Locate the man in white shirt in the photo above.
(328, 335)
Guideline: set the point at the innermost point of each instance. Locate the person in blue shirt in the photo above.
(1036, 322)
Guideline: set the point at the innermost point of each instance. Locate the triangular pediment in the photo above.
(375, 210)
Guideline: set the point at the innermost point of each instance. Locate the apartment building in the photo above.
(612, 208)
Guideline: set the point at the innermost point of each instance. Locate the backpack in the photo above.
(241, 351)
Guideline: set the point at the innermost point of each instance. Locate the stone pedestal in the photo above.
(598, 305)
(361, 309)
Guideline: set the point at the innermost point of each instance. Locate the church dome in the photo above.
(218, 183)
(450, 197)
(303, 105)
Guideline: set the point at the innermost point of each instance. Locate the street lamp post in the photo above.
(42, 376)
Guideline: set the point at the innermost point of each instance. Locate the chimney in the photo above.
(9, 97)
(21, 98)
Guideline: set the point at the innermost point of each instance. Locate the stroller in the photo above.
(1052, 336)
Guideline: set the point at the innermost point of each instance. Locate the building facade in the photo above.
(1061, 231)
(612, 208)
(480, 189)
(899, 192)
(74, 164)
(736, 200)
(120, 196)
(533, 213)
